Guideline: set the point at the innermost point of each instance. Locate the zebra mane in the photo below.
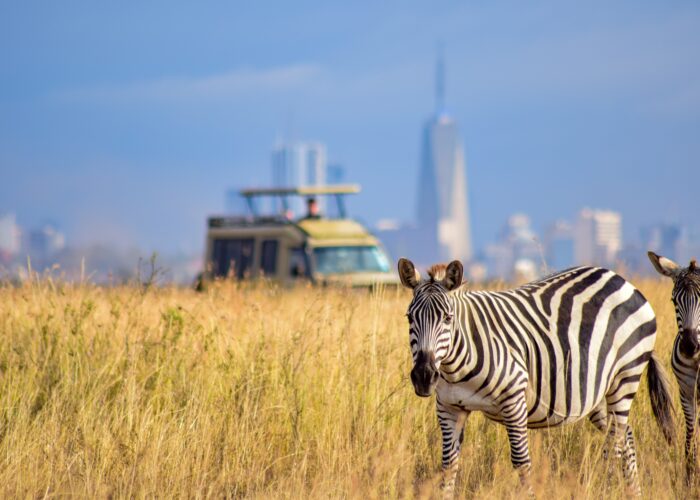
(437, 272)
(689, 278)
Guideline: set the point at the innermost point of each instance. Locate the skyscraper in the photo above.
(597, 237)
(664, 239)
(299, 164)
(9, 237)
(559, 245)
(443, 211)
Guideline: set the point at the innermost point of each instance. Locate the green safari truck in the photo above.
(316, 248)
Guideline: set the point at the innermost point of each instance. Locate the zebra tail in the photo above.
(660, 397)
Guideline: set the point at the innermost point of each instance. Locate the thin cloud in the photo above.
(209, 87)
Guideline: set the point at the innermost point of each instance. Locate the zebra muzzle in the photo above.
(425, 374)
(689, 342)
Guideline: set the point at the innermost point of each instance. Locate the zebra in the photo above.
(569, 346)
(685, 360)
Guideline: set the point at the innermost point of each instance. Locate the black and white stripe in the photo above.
(569, 346)
(685, 359)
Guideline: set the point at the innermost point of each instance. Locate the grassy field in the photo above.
(256, 391)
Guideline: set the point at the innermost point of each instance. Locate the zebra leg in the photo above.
(451, 422)
(619, 401)
(599, 418)
(689, 405)
(514, 413)
(622, 440)
(629, 462)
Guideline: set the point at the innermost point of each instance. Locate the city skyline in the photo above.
(442, 208)
(129, 140)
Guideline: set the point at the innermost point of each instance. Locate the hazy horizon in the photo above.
(127, 124)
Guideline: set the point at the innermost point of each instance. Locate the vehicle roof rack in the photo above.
(331, 189)
(336, 190)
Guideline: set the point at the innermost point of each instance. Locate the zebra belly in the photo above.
(539, 414)
(462, 396)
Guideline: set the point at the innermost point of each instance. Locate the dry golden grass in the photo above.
(256, 391)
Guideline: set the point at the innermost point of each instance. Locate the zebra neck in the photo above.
(460, 357)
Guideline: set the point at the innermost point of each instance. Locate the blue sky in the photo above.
(126, 123)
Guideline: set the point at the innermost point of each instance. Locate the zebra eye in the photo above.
(409, 316)
(448, 319)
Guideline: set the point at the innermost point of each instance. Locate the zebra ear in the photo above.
(663, 265)
(453, 275)
(410, 277)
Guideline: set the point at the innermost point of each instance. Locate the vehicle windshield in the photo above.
(341, 260)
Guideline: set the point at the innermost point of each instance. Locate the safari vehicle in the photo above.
(317, 248)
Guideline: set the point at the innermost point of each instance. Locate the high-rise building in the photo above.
(597, 237)
(559, 245)
(9, 237)
(688, 245)
(443, 211)
(299, 164)
(517, 255)
(499, 260)
(664, 239)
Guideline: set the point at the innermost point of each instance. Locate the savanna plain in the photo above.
(259, 391)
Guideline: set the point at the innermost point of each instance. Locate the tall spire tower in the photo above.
(439, 82)
(443, 210)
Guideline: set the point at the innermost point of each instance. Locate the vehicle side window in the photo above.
(232, 257)
(268, 257)
(298, 263)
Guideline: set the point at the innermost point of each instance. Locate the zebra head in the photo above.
(430, 316)
(686, 300)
